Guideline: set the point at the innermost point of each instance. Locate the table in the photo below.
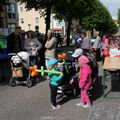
(111, 66)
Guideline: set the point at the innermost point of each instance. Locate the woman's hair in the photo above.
(88, 34)
(32, 34)
(103, 38)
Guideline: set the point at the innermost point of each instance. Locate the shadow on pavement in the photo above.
(98, 90)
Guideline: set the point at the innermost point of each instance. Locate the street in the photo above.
(22, 103)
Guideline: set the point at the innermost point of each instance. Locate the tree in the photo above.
(68, 10)
(99, 18)
(119, 17)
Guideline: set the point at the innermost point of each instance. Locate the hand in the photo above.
(71, 81)
(36, 50)
(61, 74)
(33, 48)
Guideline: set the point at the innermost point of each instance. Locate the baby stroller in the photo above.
(20, 69)
(73, 69)
(65, 86)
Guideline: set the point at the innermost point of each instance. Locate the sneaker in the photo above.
(87, 106)
(80, 104)
(56, 107)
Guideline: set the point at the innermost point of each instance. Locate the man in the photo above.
(97, 45)
(14, 44)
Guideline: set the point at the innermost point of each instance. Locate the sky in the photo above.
(112, 6)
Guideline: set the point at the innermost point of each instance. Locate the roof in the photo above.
(57, 28)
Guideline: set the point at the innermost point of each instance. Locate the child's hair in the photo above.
(50, 67)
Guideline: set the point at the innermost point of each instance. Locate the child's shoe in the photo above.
(87, 106)
(80, 104)
(58, 106)
(55, 107)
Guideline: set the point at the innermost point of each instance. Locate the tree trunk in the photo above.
(48, 14)
(68, 31)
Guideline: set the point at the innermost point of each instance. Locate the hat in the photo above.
(92, 50)
(83, 59)
(106, 53)
(77, 53)
(52, 61)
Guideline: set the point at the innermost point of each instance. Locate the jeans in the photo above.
(34, 60)
(53, 90)
(46, 63)
(84, 96)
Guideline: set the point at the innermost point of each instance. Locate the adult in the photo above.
(41, 52)
(32, 45)
(14, 44)
(50, 46)
(59, 40)
(97, 45)
(86, 44)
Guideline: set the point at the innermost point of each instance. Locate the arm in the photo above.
(54, 77)
(83, 78)
(39, 45)
(26, 45)
(50, 43)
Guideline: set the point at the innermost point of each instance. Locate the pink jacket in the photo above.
(85, 77)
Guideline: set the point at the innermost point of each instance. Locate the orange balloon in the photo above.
(33, 73)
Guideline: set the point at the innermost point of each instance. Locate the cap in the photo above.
(52, 61)
(77, 53)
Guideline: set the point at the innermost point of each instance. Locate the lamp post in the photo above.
(29, 26)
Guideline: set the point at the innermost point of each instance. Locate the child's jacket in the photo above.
(85, 77)
(54, 78)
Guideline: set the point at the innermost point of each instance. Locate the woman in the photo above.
(32, 45)
(50, 47)
(86, 42)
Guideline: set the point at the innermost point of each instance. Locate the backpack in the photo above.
(93, 64)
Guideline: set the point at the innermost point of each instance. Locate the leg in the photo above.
(46, 62)
(53, 94)
(82, 96)
(86, 97)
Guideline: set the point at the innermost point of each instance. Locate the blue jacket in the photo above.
(54, 78)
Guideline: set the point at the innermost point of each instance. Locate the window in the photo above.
(9, 15)
(14, 16)
(13, 8)
(8, 7)
(36, 27)
(37, 20)
(21, 9)
(22, 20)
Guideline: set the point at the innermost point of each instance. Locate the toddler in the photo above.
(54, 82)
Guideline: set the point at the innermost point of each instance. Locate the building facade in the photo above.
(11, 14)
(30, 20)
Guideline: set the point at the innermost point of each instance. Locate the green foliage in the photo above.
(119, 17)
(99, 18)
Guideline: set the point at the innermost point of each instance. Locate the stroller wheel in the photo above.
(13, 82)
(29, 83)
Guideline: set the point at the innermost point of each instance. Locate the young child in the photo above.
(85, 81)
(54, 82)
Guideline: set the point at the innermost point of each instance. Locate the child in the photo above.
(54, 82)
(85, 81)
